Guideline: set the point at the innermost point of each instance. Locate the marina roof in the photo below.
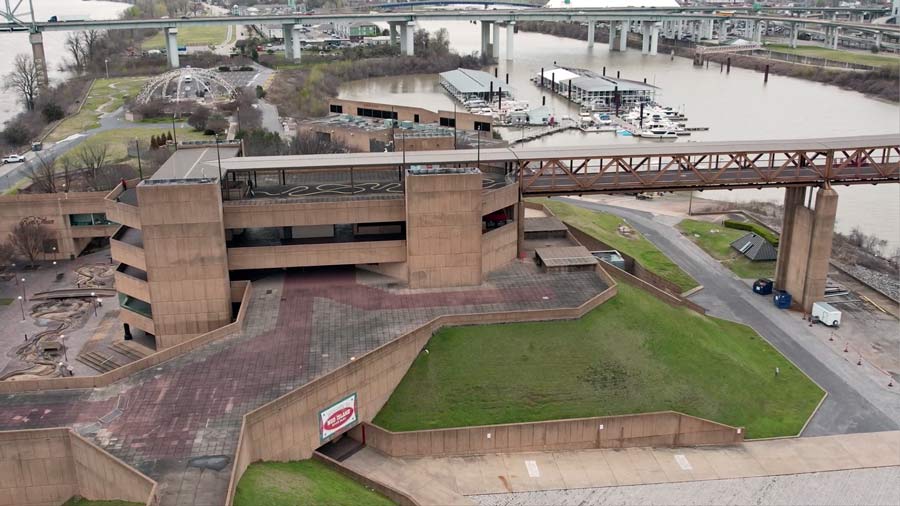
(607, 84)
(559, 75)
(472, 81)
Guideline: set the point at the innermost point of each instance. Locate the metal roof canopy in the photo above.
(608, 84)
(559, 75)
(473, 81)
(500, 155)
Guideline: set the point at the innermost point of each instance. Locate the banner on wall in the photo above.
(338, 417)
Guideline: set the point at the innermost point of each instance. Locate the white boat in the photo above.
(657, 132)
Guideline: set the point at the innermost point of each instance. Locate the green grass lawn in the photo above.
(718, 245)
(836, 54)
(5, 301)
(106, 95)
(190, 36)
(633, 354)
(118, 140)
(80, 501)
(305, 482)
(604, 227)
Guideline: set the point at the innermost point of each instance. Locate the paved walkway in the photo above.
(433, 479)
(858, 397)
(301, 324)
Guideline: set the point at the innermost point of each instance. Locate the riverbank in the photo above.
(882, 83)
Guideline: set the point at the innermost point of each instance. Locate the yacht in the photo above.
(658, 131)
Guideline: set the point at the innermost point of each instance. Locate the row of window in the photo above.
(375, 113)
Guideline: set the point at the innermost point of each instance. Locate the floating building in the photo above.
(466, 85)
(594, 91)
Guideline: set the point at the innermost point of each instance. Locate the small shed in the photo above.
(539, 115)
(755, 247)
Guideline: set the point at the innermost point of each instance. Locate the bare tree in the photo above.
(68, 165)
(93, 159)
(75, 47)
(42, 173)
(28, 237)
(92, 40)
(7, 254)
(24, 79)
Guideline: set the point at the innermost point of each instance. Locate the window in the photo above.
(482, 126)
(416, 118)
(337, 109)
(448, 122)
(88, 219)
(375, 113)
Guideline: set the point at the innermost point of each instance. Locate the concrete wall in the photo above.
(45, 467)
(128, 254)
(240, 291)
(53, 209)
(187, 263)
(130, 285)
(300, 255)
(396, 496)
(262, 213)
(287, 428)
(498, 247)
(666, 428)
(443, 235)
(121, 212)
(797, 251)
(500, 198)
(464, 120)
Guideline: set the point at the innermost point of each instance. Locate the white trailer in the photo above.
(826, 313)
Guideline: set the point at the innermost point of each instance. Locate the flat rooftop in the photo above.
(195, 161)
(473, 81)
(544, 224)
(565, 256)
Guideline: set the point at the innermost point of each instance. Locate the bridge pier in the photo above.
(794, 30)
(510, 38)
(172, 47)
(40, 60)
(495, 38)
(623, 35)
(612, 36)
(590, 37)
(645, 37)
(393, 31)
(485, 37)
(406, 38)
(836, 38)
(804, 248)
(654, 38)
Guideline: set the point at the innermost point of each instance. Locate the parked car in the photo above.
(14, 159)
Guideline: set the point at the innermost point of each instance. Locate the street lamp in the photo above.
(219, 161)
(22, 307)
(23, 290)
(94, 302)
(62, 341)
(174, 135)
(106, 62)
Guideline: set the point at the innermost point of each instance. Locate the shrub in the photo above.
(199, 117)
(753, 227)
(52, 112)
(224, 68)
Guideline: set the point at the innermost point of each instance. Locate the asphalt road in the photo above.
(856, 402)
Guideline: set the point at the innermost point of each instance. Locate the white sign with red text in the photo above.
(338, 417)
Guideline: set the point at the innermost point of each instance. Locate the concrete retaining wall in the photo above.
(105, 379)
(666, 428)
(45, 467)
(288, 428)
(394, 495)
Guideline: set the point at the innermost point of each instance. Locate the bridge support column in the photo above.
(287, 31)
(495, 38)
(612, 36)
(757, 31)
(393, 31)
(679, 25)
(623, 35)
(172, 47)
(406, 38)
(654, 38)
(805, 245)
(645, 37)
(592, 25)
(485, 37)
(794, 30)
(296, 37)
(510, 38)
(878, 40)
(40, 60)
(836, 39)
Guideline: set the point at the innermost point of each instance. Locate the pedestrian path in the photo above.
(455, 477)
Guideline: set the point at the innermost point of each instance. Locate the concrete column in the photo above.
(877, 40)
(793, 201)
(591, 26)
(393, 32)
(172, 47)
(709, 29)
(287, 31)
(645, 37)
(654, 38)
(757, 31)
(40, 60)
(495, 38)
(623, 35)
(296, 37)
(836, 39)
(820, 250)
(510, 38)
(794, 30)
(720, 33)
(485, 37)
(406, 38)
(612, 36)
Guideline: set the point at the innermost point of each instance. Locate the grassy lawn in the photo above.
(106, 95)
(306, 482)
(836, 54)
(604, 227)
(118, 140)
(718, 245)
(5, 301)
(80, 501)
(190, 36)
(633, 354)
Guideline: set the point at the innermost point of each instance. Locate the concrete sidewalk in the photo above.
(438, 480)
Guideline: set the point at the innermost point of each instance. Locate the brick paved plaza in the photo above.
(300, 324)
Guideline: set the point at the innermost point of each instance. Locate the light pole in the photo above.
(62, 341)
(219, 161)
(174, 135)
(106, 62)
(137, 147)
(22, 307)
(94, 302)
(23, 290)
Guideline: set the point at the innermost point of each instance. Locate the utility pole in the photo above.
(137, 146)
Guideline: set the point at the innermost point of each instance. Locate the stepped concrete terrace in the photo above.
(179, 422)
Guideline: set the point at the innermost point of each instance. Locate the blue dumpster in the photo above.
(782, 299)
(763, 286)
